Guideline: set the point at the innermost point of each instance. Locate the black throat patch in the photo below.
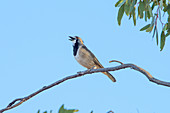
(75, 48)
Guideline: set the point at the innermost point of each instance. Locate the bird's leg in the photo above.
(94, 67)
(88, 70)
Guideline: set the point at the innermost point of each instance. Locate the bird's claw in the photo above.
(90, 69)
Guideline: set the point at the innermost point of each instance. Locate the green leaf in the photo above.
(130, 15)
(132, 6)
(149, 29)
(153, 21)
(141, 15)
(120, 14)
(165, 27)
(150, 10)
(38, 111)
(145, 27)
(165, 8)
(154, 31)
(157, 37)
(169, 19)
(164, 2)
(138, 12)
(162, 40)
(117, 3)
(168, 31)
(168, 9)
(167, 34)
(134, 17)
(168, 23)
(141, 8)
(128, 1)
(127, 9)
(120, 3)
(146, 15)
(153, 5)
(62, 110)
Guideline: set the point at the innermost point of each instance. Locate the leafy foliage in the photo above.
(63, 110)
(147, 9)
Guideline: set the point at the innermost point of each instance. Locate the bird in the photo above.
(85, 57)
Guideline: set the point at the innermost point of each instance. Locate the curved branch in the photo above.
(116, 61)
(13, 104)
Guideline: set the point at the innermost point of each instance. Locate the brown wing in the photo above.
(95, 60)
(98, 64)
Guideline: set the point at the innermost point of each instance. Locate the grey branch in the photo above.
(19, 101)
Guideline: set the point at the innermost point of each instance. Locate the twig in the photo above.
(13, 104)
(116, 61)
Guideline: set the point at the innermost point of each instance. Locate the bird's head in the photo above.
(75, 40)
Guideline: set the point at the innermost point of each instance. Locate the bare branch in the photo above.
(13, 104)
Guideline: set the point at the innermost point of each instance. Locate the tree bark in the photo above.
(19, 101)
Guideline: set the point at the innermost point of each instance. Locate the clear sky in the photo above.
(35, 51)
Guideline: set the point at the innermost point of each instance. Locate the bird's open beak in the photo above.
(71, 38)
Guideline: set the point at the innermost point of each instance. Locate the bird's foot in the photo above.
(90, 69)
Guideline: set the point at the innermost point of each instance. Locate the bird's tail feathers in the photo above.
(110, 76)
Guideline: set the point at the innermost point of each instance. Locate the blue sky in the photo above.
(35, 51)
